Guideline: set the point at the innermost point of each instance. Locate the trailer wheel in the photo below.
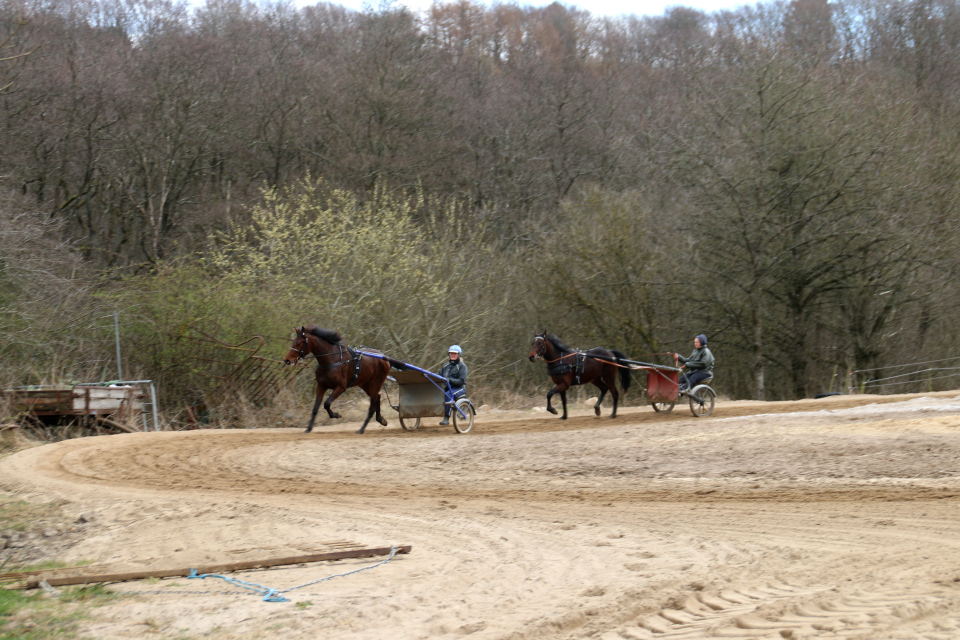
(410, 424)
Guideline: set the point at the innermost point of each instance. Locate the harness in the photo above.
(356, 365)
(355, 357)
(558, 367)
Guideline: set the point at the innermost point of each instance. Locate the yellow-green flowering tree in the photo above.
(405, 274)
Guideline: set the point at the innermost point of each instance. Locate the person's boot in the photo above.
(445, 421)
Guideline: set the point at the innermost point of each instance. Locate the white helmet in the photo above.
(455, 349)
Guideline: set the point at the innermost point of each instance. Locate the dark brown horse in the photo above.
(567, 368)
(339, 367)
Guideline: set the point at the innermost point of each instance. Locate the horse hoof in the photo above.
(563, 417)
(360, 431)
(382, 421)
(334, 415)
(552, 410)
(596, 410)
(308, 430)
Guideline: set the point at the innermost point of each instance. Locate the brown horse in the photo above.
(339, 367)
(567, 368)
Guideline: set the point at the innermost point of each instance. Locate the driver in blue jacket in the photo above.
(455, 371)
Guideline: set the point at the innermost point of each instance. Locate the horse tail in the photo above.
(624, 371)
(396, 364)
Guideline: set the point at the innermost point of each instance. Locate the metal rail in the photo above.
(253, 377)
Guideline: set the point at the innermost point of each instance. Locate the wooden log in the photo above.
(34, 581)
(113, 424)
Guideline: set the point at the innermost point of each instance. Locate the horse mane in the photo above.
(555, 341)
(331, 336)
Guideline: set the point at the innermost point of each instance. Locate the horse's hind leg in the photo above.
(373, 409)
(603, 393)
(380, 418)
(316, 408)
(367, 419)
(612, 383)
(372, 388)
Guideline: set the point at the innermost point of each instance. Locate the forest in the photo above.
(782, 177)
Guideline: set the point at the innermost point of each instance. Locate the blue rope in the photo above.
(276, 595)
(269, 595)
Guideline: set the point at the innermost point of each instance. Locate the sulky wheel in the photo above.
(410, 424)
(663, 407)
(463, 425)
(701, 401)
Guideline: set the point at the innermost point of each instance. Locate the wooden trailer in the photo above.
(117, 408)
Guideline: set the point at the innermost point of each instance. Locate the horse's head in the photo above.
(300, 347)
(539, 346)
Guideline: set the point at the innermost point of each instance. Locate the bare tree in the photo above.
(791, 204)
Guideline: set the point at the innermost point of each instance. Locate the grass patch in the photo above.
(42, 566)
(18, 515)
(35, 616)
(11, 601)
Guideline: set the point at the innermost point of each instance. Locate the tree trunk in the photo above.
(759, 390)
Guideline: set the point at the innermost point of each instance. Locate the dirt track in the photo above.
(837, 518)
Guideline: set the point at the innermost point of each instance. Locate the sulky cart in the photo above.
(663, 389)
(424, 394)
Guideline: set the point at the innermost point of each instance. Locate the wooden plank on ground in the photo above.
(34, 581)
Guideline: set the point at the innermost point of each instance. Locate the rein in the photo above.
(565, 356)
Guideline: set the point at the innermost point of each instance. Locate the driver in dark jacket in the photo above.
(455, 371)
(699, 366)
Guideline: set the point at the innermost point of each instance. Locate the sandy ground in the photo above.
(837, 518)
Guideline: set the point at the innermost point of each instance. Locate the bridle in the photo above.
(543, 347)
(301, 353)
(304, 351)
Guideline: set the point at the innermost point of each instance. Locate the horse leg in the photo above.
(371, 386)
(380, 418)
(373, 409)
(363, 427)
(550, 393)
(603, 393)
(376, 384)
(561, 388)
(610, 378)
(333, 396)
(316, 407)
